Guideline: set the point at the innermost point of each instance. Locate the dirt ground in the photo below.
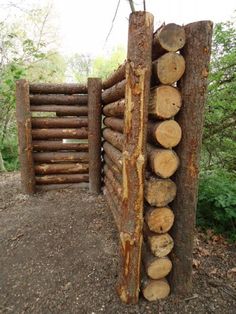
(58, 254)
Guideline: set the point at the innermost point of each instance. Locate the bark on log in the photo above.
(114, 138)
(38, 99)
(115, 124)
(117, 76)
(167, 133)
(53, 187)
(163, 162)
(61, 168)
(159, 219)
(114, 93)
(113, 207)
(169, 68)
(114, 182)
(116, 171)
(159, 192)
(115, 109)
(95, 136)
(138, 75)
(42, 88)
(165, 102)
(154, 290)
(61, 179)
(41, 134)
(59, 145)
(44, 123)
(193, 88)
(55, 157)
(113, 154)
(23, 118)
(62, 110)
(170, 37)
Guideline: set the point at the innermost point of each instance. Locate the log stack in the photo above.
(59, 133)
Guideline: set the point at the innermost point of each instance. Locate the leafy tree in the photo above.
(80, 67)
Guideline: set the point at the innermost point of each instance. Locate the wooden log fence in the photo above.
(147, 164)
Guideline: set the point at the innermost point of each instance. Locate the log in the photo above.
(114, 123)
(62, 110)
(116, 197)
(113, 207)
(155, 267)
(166, 133)
(116, 171)
(114, 93)
(170, 37)
(154, 290)
(38, 99)
(23, 118)
(114, 138)
(113, 154)
(66, 88)
(45, 123)
(59, 145)
(138, 76)
(193, 88)
(160, 244)
(41, 134)
(95, 136)
(164, 103)
(55, 157)
(159, 219)
(114, 182)
(169, 68)
(61, 168)
(159, 192)
(61, 179)
(163, 162)
(115, 77)
(53, 187)
(115, 109)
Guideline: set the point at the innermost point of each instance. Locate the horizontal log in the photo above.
(159, 219)
(154, 290)
(41, 134)
(61, 179)
(113, 154)
(114, 93)
(54, 157)
(114, 182)
(61, 168)
(38, 99)
(114, 109)
(114, 138)
(169, 68)
(53, 187)
(170, 37)
(61, 110)
(113, 207)
(117, 76)
(114, 195)
(166, 134)
(66, 88)
(164, 102)
(114, 123)
(59, 145)
(45, 123)
(116, 171)
(159, 192)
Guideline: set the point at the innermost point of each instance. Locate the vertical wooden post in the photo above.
(193, 87)
(94, 134)
(23, 117)
(138, 73)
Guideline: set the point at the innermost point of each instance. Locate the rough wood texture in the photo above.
(116, 171)
(53, 187)
(113, 206)
(170, 37)
(45, 123)
(169, 68)
(52, 157)
(62, 110)
(114, 182)
(159, 244)
(66, 88)
(166, 134)
(58, 99)
(51, 146)
(114, 93)
(113, 154)
(193, 88)
(114, 138)
(163, 162)
(114, 109)
(115, 77)
(165, 102)
(138, 74)
(61, 168)
(23, 118)
(159, 219)
(61, 179)
(154, 290)
(95, 136)
(40, 134)
(115, 124)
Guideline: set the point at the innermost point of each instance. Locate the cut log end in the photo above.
(154, 290)
(159, 219)
(160, 244)
(168, 133)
